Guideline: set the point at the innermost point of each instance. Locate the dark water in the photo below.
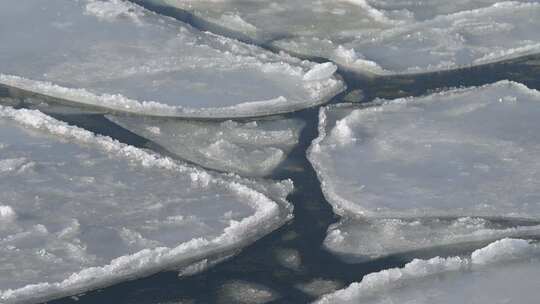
(259, 263)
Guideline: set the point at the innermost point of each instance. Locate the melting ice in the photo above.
(382, 37)
(116, 55)
(505, 271)
(447, 168)
(80, 211)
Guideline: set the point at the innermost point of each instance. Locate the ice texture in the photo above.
(80, 211)
(116, 55)
(242, 292)
(253, 148)
(451, 167)
(374, 238)
(378, 36)
(505, 271)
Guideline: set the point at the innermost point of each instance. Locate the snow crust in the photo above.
(118, 56)
(249, 148)
(384, 37)
(448, 168)
(505, 271)
(79, 211)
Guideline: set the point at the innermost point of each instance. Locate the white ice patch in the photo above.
(251, 149)
(419, 172)
(112, 9)
(512, 277)
(386, 37)
(93, 211)
(6, 214)
(245, 293)
(117, 56)
(321, 71)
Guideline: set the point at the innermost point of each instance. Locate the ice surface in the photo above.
(374, 238)
(249, 148)
(288, 258)
(379, 36)
(446, 168)
(80, 211)
(245, 293)
(319, 287)
(119, 56)
(505, 271)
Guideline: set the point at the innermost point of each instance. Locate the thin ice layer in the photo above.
(378, 36)
(448, 168)
(505, 271)
(116, 55)
(252, 149)
(80, 211)
(375, 238)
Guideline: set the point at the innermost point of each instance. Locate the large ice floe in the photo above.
(253, 148)
(115, 55)
(448, 168)
(506, 271)
(377, 36)
(80, 211)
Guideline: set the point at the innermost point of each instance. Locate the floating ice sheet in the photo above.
(435, 170)
(80, 211)
(116, 55)
(252, 149)
(373, 238)
(382, 37)
(242, 292)
(505, 271)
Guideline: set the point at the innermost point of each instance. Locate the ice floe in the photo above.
(253, 148)
(245, 293)
(116, 55)
(451, 167)
(505, 271)
(80, 211)
(382, 37)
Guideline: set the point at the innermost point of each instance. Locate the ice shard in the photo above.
(117, 56)
(451, 167)
(254, 148)
(505, 271)
(379, 37)
(79, 211)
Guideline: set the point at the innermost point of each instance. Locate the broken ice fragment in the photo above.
(252, 148)
(381, 37)
(447, 168)
(374, 238)
(117, 56)
(80, 211)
